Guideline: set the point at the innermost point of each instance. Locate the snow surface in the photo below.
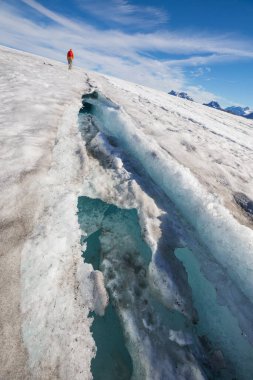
(41, 169)
(177, 162)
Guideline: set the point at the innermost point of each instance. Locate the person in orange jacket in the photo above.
(70, 57)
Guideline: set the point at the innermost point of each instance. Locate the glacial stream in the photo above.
(191, 334)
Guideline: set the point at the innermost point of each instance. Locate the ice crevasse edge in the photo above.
(115, 123)
(230, 242)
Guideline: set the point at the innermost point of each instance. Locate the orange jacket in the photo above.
(70, 54)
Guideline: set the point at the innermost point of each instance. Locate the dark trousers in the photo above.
(70, 63)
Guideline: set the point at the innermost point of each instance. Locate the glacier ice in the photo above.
(137, 144)
(216, 321)
(125, 156)
(154, 334)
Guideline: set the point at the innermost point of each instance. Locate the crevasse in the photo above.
(172, 331)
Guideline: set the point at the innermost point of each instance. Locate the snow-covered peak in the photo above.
(235, 110)
(240, 111)
(173, 93)
(213, 104)
(182, 95)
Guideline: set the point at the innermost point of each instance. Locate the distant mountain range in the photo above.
(213, 104)
(182, 95)
(240, 111)
(235, 110)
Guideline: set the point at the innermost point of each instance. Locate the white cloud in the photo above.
(124, 13)
(200, 72)
(54, 40)
(200, 95)
(113, 52)
(218, 47)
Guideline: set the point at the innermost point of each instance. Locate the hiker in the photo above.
(70, 57)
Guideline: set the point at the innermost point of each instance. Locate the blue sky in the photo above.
(199, 46)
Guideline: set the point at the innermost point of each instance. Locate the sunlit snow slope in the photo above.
(187, 171)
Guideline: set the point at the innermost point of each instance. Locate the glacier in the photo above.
(107, 116)
(118, 210)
